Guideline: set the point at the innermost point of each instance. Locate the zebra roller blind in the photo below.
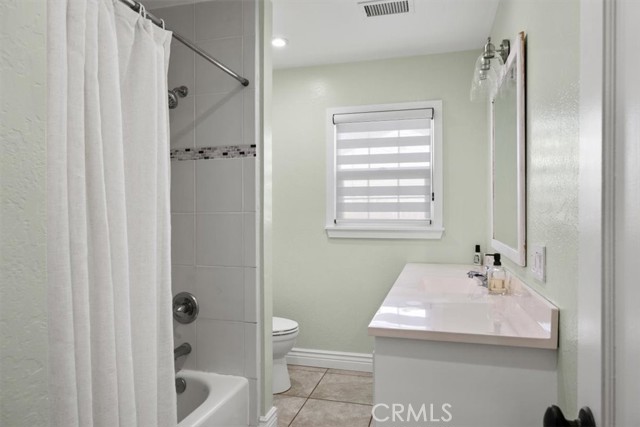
(383, 167)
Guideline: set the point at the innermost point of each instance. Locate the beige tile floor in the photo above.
(321, 397)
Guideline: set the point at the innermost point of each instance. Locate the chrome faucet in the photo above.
(479, 276)
(181, 350)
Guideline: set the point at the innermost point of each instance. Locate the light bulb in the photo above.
(279, 42)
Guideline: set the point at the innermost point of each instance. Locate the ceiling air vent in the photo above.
(381, 8)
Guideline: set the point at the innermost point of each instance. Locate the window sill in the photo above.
(382, 233)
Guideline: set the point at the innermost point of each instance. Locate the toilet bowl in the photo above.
(285, 332)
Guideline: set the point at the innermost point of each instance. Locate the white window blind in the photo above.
(383, 167)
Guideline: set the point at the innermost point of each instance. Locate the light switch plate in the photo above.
(539, 264)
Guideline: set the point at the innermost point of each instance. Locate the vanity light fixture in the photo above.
(279, 42)
(489, 69)
(503, 50)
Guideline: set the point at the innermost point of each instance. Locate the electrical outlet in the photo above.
(539, 267)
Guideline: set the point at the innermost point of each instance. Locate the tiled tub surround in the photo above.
(218, 111)
(321, 397)
(212, 194)
(214, 257)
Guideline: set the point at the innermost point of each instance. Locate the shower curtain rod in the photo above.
(136, 6)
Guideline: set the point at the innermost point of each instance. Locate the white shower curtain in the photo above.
(108, 231)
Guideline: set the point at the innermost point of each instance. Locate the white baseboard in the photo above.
(270, 419)
(331, 359)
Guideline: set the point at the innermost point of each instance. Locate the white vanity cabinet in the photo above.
(447, 353)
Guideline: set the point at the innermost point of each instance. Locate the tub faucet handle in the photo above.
(185, 307)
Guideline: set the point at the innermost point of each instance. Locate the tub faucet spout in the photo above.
(181, 350)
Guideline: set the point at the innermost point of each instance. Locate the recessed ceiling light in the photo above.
(279, 42)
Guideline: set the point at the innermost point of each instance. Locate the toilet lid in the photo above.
(282, 326)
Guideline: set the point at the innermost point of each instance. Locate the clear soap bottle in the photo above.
(497, 277)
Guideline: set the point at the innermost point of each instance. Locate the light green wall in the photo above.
(23, 287)
(332, 287)
(553, 45)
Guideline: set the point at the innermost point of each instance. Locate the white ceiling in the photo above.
(335, 31)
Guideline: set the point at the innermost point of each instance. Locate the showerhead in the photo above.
(175, 94)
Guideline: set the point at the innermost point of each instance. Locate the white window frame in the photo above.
(371, 231)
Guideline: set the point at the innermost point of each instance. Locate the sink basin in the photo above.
(439, 302)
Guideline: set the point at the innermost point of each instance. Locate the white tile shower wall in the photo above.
(182, 129)
(221, 346)
(218, 19)
(218, 185)
(219, 118)
(250, 296)
(219, 239)
(181, 73)
(249, 184)
(249, 227)
(182, 239)
(250, 107)
(213, 201)
(184, 74)
(183, 278)
(212, 80)
(182, 187)
(250, 358)
(223, 290)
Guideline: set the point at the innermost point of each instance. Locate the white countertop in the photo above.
(438, 302)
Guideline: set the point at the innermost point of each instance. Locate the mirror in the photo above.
(508, 226)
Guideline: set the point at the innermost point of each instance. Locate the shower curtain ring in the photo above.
(142, 11)
(163, 25)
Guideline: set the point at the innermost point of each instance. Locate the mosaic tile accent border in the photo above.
(222, 152)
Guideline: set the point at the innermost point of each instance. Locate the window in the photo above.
(384, 174)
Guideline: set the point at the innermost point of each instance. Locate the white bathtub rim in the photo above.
(213, 402)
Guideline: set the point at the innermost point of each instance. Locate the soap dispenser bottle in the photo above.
(477, 258)
(497, 277)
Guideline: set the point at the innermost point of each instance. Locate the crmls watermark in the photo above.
(401, 413)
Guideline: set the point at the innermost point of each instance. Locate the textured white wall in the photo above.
(553, 46)
(332, 287)
(627, 195)
(23, 312)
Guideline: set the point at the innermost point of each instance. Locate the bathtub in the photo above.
(212, 400)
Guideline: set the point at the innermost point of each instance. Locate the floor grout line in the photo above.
(297, 413)
(314, 389)
(350, 375)
(340, 401)
(307, 398)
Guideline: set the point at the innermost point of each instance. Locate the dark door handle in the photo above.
(554, 417)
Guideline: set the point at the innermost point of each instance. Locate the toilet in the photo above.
(285, 332)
